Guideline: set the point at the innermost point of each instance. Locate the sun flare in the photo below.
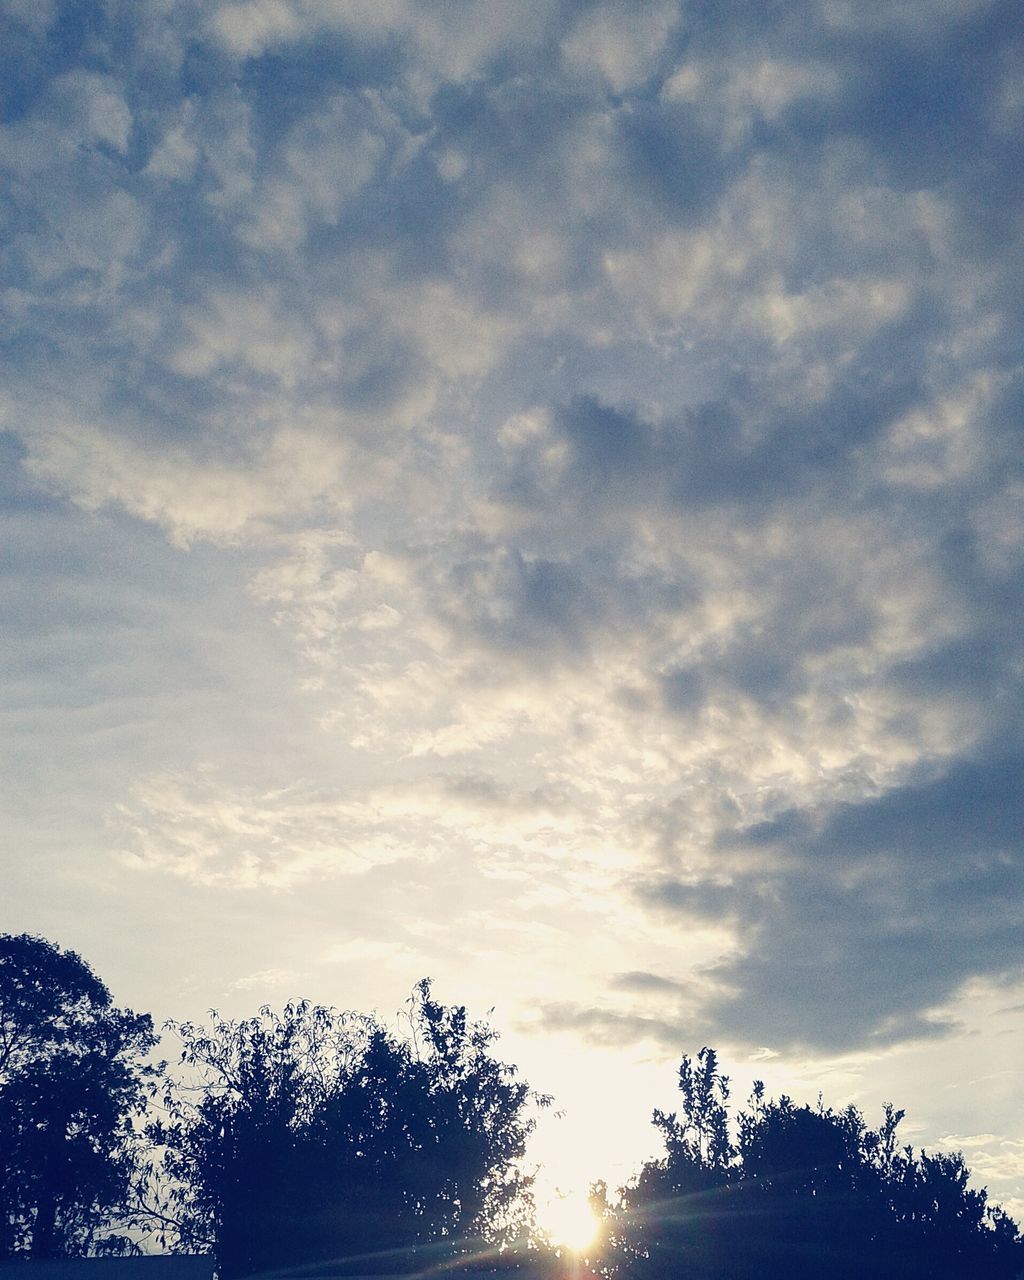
(569, 1222)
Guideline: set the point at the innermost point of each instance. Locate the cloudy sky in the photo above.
(529, 494)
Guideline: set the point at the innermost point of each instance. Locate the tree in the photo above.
(73, 1077)
(313, 1135)
(701, 1138)
(803, 1192)
(667, 1219)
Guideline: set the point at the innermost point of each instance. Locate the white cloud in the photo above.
(738, 92)
(219, 502)
(251, 329)
(247, 28)
(941, 443)
(97, 111)
(620, 42)
(210, 833)
(177, 153)
(193, 829)
(448, 41)
(855, 308)
(327, 159)
(265, 979)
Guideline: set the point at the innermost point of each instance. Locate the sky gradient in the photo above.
(529, 494)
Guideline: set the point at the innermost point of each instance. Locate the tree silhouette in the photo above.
(804, 1192)
(701, 1138)
(72, 1077)
(316, 1137)
(313, 1135)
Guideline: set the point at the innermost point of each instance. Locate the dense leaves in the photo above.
(72, 1079)
(802, 1192)
(313, 1135)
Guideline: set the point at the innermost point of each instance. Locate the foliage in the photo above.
(72, 1077)
(701, 1138)
(313, 1135)
(803, 1192)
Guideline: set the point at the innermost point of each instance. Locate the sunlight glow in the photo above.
(568, 1221)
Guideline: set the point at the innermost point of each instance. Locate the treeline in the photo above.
(313, 1138)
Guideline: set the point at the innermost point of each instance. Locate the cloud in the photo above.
(608, 1028)
(547, 458)
(439, 42)
(37, 17)
(219, 502)
(642, 982)
(264, 978)
(201, 829)
(609, 40)
(871, 916)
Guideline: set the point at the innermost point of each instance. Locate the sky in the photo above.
(529, 495)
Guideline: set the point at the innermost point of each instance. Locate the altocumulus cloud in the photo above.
(592, 428)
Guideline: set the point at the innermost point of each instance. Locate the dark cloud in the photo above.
(555, 609)
(742, 452)
(607, 1027)
(877, 913)
(674, 1028)
(973, 813)
(683, 690)
(641, 982)
(489, 794)
(519, 604)
(702, 900)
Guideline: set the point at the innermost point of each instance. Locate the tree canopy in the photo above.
(800, 1191)
(311, 1135)
(73, 1077)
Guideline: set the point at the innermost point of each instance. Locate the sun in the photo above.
(569, 1222)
